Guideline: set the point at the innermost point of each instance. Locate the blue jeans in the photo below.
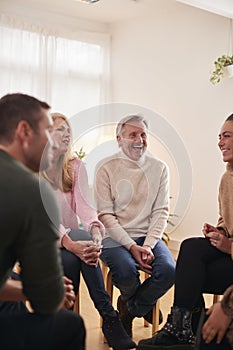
(140, 297)
(92, 276)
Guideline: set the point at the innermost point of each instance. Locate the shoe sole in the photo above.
(166, 347)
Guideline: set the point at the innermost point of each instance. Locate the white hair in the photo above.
(130, 118)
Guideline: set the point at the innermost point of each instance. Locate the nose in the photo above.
(220, 143)
(139, 138)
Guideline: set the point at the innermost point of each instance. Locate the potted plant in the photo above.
(80, 154)
(223, 63)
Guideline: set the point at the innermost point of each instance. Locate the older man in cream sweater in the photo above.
(132, 195)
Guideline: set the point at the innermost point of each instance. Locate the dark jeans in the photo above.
(92, 276)
(140, 297)
(201, 268)
(24, 331)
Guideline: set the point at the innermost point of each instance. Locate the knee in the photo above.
(190, 245)
(126, 277)
(167, 275)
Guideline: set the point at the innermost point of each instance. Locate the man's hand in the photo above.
(142, 256)
(216, 325)
(69, 296)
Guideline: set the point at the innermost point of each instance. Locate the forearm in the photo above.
(116, 231)
(12, 291)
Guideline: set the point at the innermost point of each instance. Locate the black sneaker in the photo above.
(125, 316)
(115, 333)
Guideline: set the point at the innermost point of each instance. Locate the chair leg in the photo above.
(77, 304)
(216, 298)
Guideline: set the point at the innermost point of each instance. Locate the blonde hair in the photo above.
(64, 178)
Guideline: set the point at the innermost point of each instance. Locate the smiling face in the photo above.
(61, 135)
(133, 139)
(226, 141)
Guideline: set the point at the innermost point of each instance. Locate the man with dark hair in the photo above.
(29, 237)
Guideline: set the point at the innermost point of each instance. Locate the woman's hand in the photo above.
(217, 239)
(207, 228)
(87, 251)
(220, 241)
(216, 325)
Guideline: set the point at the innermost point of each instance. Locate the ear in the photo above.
(23, 132)
(119, 140)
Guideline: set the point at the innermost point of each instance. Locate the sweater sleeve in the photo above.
(39, 256)
(159, 214)
(82, 205)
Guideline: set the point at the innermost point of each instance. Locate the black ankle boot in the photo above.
(176, 333)
(125, 316)
(115, 333)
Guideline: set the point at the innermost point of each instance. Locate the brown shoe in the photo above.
(125, 316)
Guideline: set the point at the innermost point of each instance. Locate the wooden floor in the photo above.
(95, 339)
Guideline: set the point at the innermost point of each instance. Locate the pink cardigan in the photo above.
(75, 206)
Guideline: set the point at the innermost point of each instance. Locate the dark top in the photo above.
(29, 236)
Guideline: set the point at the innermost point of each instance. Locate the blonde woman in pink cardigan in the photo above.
(80, 249)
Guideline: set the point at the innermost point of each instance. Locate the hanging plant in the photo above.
(222, 62)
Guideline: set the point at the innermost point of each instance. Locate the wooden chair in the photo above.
(107, 275)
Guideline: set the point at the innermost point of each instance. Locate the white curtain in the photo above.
(71, 74)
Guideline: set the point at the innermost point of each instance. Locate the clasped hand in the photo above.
(144, 256)
(217, 239)
(87, 251)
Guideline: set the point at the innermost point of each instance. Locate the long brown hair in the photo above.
(63, 179)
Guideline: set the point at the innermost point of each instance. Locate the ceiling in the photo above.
(108, 11)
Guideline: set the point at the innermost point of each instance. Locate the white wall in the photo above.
(163, 63)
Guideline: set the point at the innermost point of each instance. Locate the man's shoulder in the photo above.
(15, 172)
(20, 179)
(154, 161)
(109, 161)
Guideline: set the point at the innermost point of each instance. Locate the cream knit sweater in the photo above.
(132, 198)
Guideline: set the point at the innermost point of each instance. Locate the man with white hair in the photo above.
(132, 196)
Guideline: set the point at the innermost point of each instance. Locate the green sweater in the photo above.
(27, 235)
(132, 198)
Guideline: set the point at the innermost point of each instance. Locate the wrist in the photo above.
(66, 242)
